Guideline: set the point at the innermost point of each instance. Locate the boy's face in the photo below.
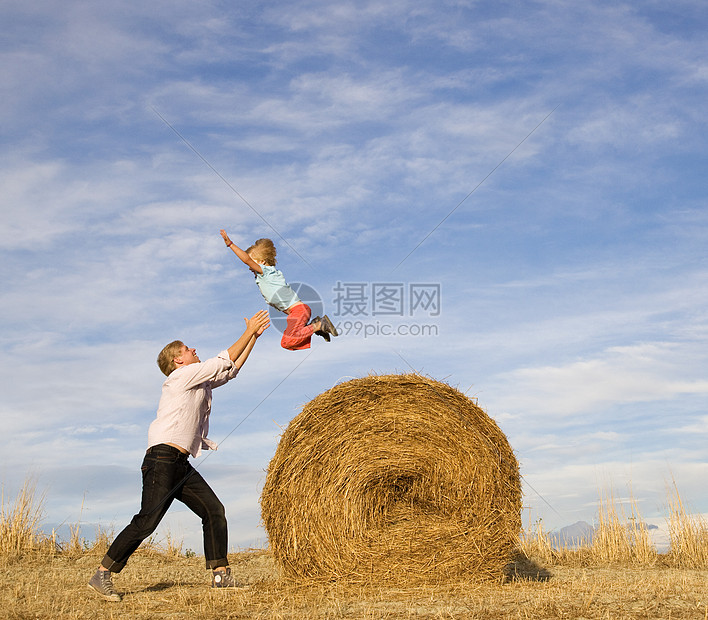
(187, 356)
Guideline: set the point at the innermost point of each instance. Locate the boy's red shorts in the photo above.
(298, 333)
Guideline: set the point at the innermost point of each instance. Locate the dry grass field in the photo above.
(618, 576)
(161, 585)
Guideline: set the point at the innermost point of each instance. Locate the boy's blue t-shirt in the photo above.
(275, 290)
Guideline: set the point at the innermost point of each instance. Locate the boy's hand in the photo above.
(258, 323)
(227, 241)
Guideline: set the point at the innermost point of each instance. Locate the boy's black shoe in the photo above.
(328, 327)
(319, 332)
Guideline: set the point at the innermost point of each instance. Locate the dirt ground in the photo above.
(158, 585)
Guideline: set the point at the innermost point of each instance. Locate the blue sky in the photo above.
(360, 137)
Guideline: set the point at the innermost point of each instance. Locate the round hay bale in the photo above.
(392, 476)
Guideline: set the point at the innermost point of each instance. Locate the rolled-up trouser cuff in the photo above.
(212, 564)
(114, 567)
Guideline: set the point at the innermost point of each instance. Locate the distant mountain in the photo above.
(580, 533)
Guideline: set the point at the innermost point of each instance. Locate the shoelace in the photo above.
(107, 582)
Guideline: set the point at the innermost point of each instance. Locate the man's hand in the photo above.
(255, 326)
(258, 323)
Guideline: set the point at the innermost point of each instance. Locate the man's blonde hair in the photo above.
(166, 359)
(263, 250)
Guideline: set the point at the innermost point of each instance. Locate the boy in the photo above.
(260, 259)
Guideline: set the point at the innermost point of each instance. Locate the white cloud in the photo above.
(638, 373)
(698, 427)
(646, 482)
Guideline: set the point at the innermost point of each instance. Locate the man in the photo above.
(179, 430)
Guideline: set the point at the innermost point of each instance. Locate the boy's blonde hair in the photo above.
(263, 250)
(166, 359)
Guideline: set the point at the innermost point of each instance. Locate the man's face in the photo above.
(187, 356)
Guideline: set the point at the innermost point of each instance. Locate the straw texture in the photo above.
(392, 476)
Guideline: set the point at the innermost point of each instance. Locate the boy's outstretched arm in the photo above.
(245, 258)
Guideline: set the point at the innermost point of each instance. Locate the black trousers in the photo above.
(168, 475)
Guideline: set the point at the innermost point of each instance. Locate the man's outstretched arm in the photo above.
(255, 326)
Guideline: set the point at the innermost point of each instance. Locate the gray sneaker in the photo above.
(224, 579)
(101, 583)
